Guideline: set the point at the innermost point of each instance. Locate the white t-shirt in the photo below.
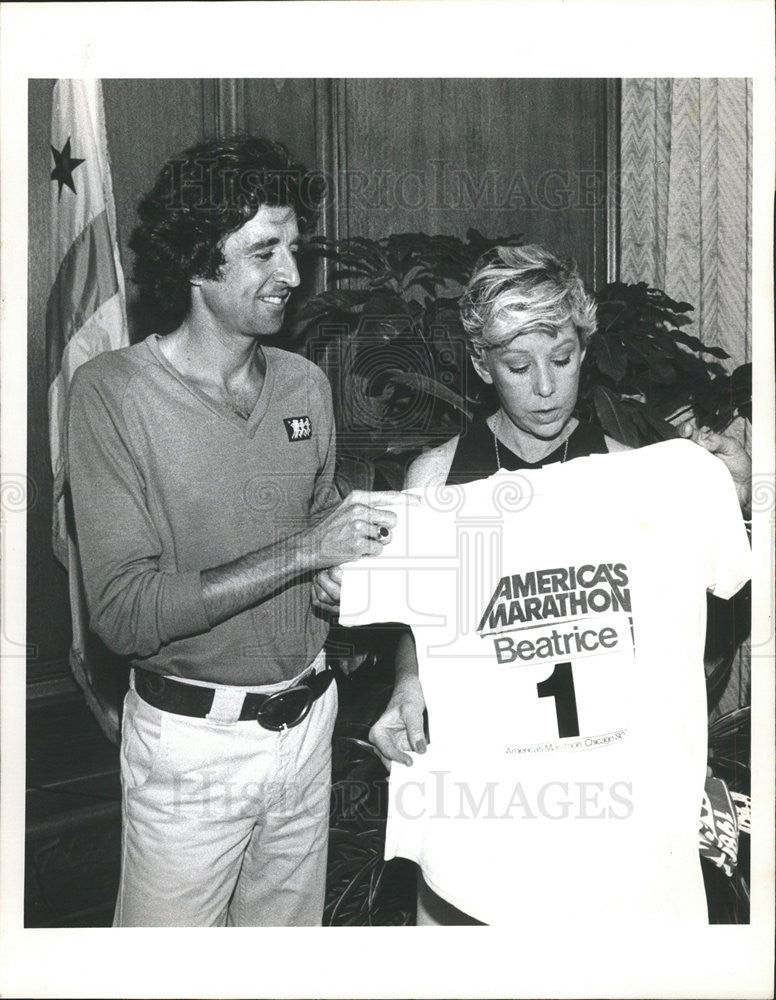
(559, 618)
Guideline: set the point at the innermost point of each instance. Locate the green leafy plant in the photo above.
(393, 347)
(362, 888)
(644, 372)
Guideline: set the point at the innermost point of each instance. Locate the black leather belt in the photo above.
(282, 710)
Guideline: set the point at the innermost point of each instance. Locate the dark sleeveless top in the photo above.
(475, 455)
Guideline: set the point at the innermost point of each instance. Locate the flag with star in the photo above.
(86, 315)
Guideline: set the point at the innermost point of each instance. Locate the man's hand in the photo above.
(400, 727)
(357, 527)
(360, 526)
(726, 448)
(327, 587)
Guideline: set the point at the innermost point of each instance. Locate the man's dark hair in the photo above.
(200, 197)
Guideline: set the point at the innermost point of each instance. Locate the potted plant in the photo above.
(644, 372)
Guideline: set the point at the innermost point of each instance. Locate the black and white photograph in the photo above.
(387, 504)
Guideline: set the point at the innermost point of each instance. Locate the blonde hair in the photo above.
(540, 292)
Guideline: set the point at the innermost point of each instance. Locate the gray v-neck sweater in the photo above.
(167, 482)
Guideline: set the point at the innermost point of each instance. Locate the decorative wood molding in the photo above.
(331, 145)
(229, 106)
(340, 127)
(222, 106)
(612, 107)
(327, 160)
(209, 106)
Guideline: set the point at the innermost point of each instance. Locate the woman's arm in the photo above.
(400, 727)
(431, 468)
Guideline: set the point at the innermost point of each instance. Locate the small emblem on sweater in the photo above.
(298, 428)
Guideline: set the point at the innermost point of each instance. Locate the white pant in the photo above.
(223, 822)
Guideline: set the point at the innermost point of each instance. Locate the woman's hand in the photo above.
(726, 448)
(400, 727)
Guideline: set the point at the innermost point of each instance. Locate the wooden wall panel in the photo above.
(501, 155)
(289, 111)
(147, 121)
(283, 110)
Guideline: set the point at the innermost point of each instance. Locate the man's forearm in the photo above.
(346, 532)
(341, 534)
(233, 587)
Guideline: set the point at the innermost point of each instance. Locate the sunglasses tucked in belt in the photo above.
(282, 710)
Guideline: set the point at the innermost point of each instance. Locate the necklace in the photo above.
(495, 442)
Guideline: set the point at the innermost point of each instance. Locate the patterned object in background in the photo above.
(686, 220)
(719, 826)
(686, 200)
(743, 804)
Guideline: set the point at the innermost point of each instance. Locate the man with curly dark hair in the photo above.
(201, 197)
(201, 465)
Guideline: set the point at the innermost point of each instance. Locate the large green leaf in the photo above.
(651, 427)
(426, 384)
(657, 369)
(387, 303)
(354, 270)
(327, 302)
(696, 345)
(614, 417)
(610, 355)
